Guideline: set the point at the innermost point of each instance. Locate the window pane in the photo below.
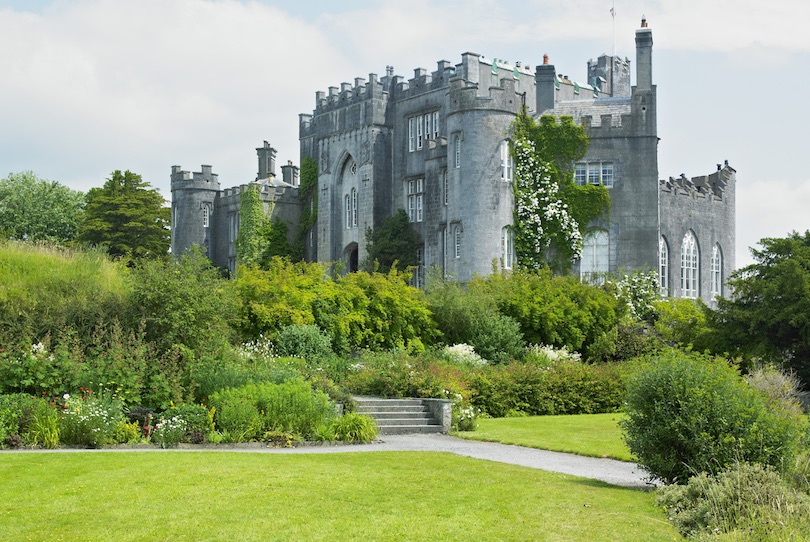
(607, 174)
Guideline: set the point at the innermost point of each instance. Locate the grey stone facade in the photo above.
(433, 145)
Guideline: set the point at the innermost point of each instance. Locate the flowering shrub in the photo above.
(169, 431)
(638, 291)
(542, 219)
(464, 354)
(547, 356)
(90, 420)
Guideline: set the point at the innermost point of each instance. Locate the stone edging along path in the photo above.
(613, 472)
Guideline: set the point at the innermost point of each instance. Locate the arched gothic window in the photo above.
(663, 266)
(690, 270)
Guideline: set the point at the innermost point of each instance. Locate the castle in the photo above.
(437, 146)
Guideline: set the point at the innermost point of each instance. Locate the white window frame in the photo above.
(428, 122)
(717, 271)
(354, 207)
(457, 242)
(606, 176)
(594, 263)
(457, 151)
(595, 173)
(419, 135)
(348, 212)
(663, 267)
(507, 162)
(418, 278)
(411, 135)
(206, 218)
(415, 195)
(580, 173)
(435, 116)
(690, 267)
(508, 247)
(446, 187)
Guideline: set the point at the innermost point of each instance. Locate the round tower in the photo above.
(193, 198)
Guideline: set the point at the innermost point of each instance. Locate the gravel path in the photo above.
(613, 472)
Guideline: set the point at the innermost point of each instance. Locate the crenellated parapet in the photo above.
(712, 187)
(204, 179)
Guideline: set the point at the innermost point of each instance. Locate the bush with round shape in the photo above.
(688, 413)
(353, 427)
(304, 341)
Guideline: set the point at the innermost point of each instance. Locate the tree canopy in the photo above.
(37, 209)
(394, 241)
(769, 313)
(127, 218)
(552, 213)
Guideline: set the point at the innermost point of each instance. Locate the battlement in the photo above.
(204, 179)
(348, 93)
(712, 186)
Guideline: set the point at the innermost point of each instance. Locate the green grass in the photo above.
(595, 435)
(350, 496)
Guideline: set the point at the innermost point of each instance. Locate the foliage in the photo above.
(568, 387)
(395, 242)
(181, 301)
(688, 413)
(769, 314)
(558, 311)
(552, 213)
(747, 500)
(35, 209)
(308, 193)
(359, 310)
(304, 341)
(638, 292)
(630, 339)
(274, 240)
(249, 242)
(186, 422)
(90, 419)
(246, 413)
(127, 218)
(399, 374)
(463, 354)
(683, 322)
(26, 420)
(45, 290)
(353, 427)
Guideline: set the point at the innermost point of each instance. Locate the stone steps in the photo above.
(399, 416)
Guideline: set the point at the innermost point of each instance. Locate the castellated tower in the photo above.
(193, 199)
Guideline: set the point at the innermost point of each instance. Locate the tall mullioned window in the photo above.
(595, 260)
(206, 216)
(457, 151)
(351, 209)
(457, 242)
(416, 196)
(446, 186)
(690, 266)
(507, 162)
(411, 134)
(508, 247)
(421, 128)
(717, 271)
(663, 267)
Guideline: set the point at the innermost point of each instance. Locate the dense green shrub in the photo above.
(353, 427)
(306, 341)
(683, 322)
(558, 311)
(688, 413)
(246, 413)
(566, 387)
(26, 420)
(747, 500)
(181, 300)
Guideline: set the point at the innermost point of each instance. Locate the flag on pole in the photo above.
(613, 12)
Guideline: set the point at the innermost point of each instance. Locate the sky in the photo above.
(91, 86)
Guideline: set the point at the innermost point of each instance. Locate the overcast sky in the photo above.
(90, 86)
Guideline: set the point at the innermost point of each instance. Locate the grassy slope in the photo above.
(363, 496)
(596, 435)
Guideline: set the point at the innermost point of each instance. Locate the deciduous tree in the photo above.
(37, 209)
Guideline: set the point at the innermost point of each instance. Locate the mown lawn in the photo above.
(172, 495)
(595, 435)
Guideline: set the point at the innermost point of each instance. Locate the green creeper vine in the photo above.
(250, 241)
(307, 191)
(552, 213)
